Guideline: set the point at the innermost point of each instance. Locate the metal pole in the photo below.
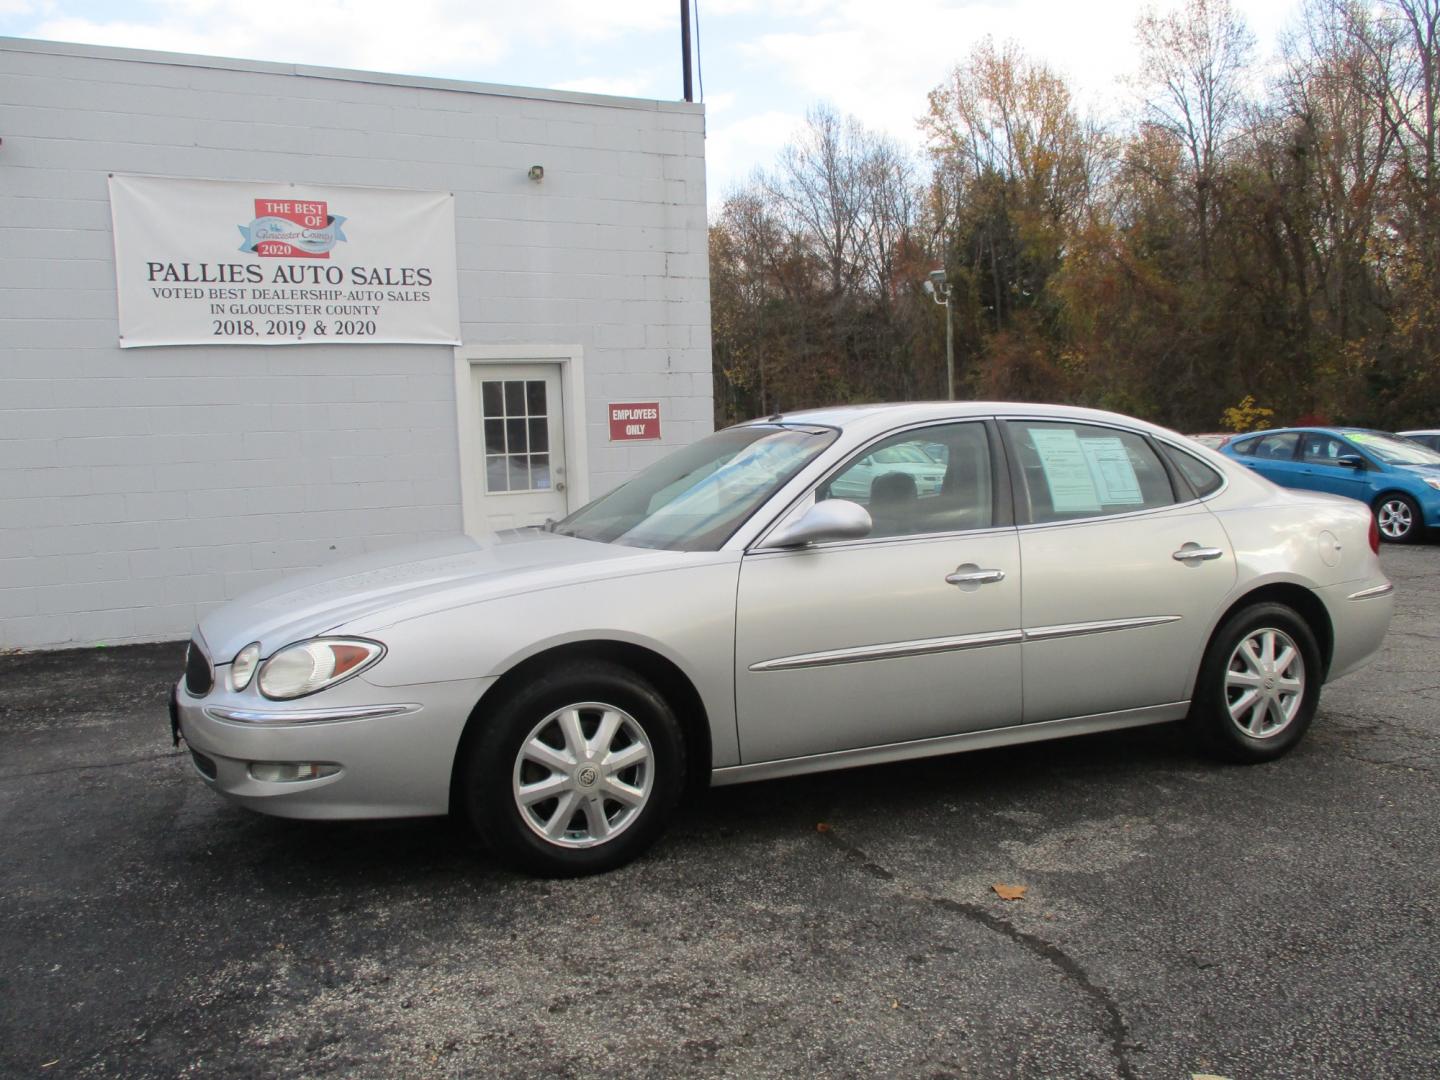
(949, 346)
(685, 47)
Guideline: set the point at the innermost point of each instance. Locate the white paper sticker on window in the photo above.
(1113, 471)
(1067, 470)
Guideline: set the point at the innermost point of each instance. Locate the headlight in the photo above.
(242, 668)
(308, 666)
(1433, 482)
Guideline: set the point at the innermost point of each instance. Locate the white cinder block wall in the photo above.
(140, 488)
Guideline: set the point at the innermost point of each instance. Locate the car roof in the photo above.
(882, 416)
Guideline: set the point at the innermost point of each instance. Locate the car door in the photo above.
(1123, 573)
(909, 633)
(1320, 468)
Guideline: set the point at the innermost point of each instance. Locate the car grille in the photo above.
(199, 676)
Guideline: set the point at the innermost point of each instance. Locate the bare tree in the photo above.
(1193, 66)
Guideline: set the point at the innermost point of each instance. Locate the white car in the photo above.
(1424, 436)
(728, 615)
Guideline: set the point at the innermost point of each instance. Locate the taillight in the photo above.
(1374, 535)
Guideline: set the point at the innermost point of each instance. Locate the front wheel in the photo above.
(577, 772)
(1398, 518)
(1258, 686)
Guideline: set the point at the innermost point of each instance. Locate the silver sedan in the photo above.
(766, 602)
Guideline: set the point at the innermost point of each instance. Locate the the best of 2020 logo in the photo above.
(286, 229)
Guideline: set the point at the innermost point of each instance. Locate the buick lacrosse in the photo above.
(815, 590)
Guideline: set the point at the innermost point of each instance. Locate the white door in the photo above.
(517, 447)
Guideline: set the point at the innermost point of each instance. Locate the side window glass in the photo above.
(1202, 477)
(934, 479)
(1079, 471)
(1245, 446)
(1317, 449)
(1278, 447)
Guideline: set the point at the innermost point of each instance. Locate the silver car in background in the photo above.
(765, 603)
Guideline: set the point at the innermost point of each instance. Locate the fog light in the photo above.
(286, 772)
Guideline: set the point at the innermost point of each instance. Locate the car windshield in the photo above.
(1394, 451)
(695, 498)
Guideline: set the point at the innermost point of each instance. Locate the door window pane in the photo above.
(516, 433)
(929, 480)
(1317, 449)
(1079, 471)
(1279, 447)
(1202, 477)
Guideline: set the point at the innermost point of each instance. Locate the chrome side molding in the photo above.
(925, 646)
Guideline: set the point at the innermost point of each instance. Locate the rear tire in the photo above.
(1258, 686)
(575, 773)
(1398, 518)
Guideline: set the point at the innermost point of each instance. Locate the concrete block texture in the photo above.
(141, 488)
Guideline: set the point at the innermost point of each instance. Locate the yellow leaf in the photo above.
(1010, 892)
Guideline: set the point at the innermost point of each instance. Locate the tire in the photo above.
(568, 733)
(1249, 654)
(1398, 518)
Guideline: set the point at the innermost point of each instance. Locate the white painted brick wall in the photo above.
(138, 489)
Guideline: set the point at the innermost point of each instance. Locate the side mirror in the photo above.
(830, 519)
(1351, 461)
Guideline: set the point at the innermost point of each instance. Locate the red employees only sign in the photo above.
(635, 420)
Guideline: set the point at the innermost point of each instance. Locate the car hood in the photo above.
(441, 573)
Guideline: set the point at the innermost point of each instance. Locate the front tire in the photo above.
(1258, 686)
(575, 773)
(1398, 518)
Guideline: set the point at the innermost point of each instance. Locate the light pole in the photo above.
(939, 290)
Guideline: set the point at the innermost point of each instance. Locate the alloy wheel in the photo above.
(1395, 519)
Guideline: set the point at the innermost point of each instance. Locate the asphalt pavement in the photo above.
(1179, 917)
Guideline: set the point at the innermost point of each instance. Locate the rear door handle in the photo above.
(1197, 553)
(970, 574)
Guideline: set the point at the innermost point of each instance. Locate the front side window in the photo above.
(694, 499)
(1318, 449)
(1078, 471)
(928, 480)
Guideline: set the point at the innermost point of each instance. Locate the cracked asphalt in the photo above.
(1181, 917)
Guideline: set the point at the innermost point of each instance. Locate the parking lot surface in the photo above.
(1179, 917)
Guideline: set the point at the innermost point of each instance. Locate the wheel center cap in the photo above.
(587, 775)
(1269, 684)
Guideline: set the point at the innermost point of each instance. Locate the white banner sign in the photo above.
(219, 262)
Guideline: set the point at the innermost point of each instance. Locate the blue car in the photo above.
(1398, 478)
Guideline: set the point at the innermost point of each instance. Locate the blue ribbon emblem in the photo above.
(311, 241)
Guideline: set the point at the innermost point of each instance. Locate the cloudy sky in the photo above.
(763, 62)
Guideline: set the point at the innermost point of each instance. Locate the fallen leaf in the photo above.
(1207, 1076)
(1010, 892)
(824, 826)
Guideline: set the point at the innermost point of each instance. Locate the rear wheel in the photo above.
(577, 772)
(1398, 517)
(1258, 686)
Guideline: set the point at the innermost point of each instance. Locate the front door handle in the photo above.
(970, 574)
(1197, 553)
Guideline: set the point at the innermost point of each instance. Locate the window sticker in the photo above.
(1113, 471)
(1067, 470)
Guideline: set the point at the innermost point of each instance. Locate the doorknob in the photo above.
(970, 574)
(1193, 552)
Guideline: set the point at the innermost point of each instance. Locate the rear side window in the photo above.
(1204, 479)
(1080, 471)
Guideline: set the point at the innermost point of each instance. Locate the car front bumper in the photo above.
(394, 747)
